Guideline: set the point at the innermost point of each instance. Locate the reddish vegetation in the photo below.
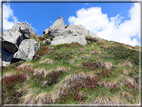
(72, 45)
(46, 49)
(99, 43)
(90, 65)
(13, 80)
(52, 77)
(41, 38)
(72, 93)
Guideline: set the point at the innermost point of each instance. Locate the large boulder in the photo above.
(23, 28)
(11, 40)
(6, 57)
(26, 30)
(58, 28)
(27, 49)
(77, 29)
(13, 37)
(61, 40)
(80, 30)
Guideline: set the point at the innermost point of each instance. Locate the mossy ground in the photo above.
(72, 62)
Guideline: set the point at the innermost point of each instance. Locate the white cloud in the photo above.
(7, 14)
(110, 29)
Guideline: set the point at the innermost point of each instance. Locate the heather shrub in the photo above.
(10, 95)
(90, 39)
(90, 64)
(10, 81)
(61, 55)
(72, 45)
(73, 93)
(53, 77)
(123, 53)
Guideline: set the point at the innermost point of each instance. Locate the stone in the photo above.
(11, 40)
(24, 28)
(27, 49)
(58, 28)
(48, 41)
(61, 40)
(45, 31)
(77, 30)
(6, 58)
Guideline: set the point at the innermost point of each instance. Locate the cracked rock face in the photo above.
(27, 49)
(24, 28)
(11, 40)
(58, 28)
(61, 40)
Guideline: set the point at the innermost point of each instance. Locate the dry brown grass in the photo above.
(49, 61)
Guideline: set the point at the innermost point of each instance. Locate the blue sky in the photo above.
(111, 21)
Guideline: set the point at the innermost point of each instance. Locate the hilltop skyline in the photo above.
(103, 19)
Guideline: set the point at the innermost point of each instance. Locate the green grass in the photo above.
(113, 52)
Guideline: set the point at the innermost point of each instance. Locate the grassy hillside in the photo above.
(101, 72)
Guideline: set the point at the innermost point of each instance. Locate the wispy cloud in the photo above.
(111, 28)
(7, 14)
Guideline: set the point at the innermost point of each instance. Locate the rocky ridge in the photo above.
(16, 42)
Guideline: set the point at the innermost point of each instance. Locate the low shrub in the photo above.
(91, 39)
(91, 64)
(61, 55)
(122, 53)
(72, 93)
(12, 80)
(41, 38)
(53, 77)
(72, 45)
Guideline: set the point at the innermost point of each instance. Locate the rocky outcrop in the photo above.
(24, 28)
(61, 40)
(58, 28)
(62, 33)
(27, 49)
(13, 43)
(11, 40)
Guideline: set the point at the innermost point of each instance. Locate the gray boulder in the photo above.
(11, 40)
(61, 40)
(58, 28)
(16, 26)
(6, 57)
(80, 30)
(26, 30)
(27, 49)
(23, 28)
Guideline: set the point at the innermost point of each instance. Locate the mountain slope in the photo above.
(101, 72)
